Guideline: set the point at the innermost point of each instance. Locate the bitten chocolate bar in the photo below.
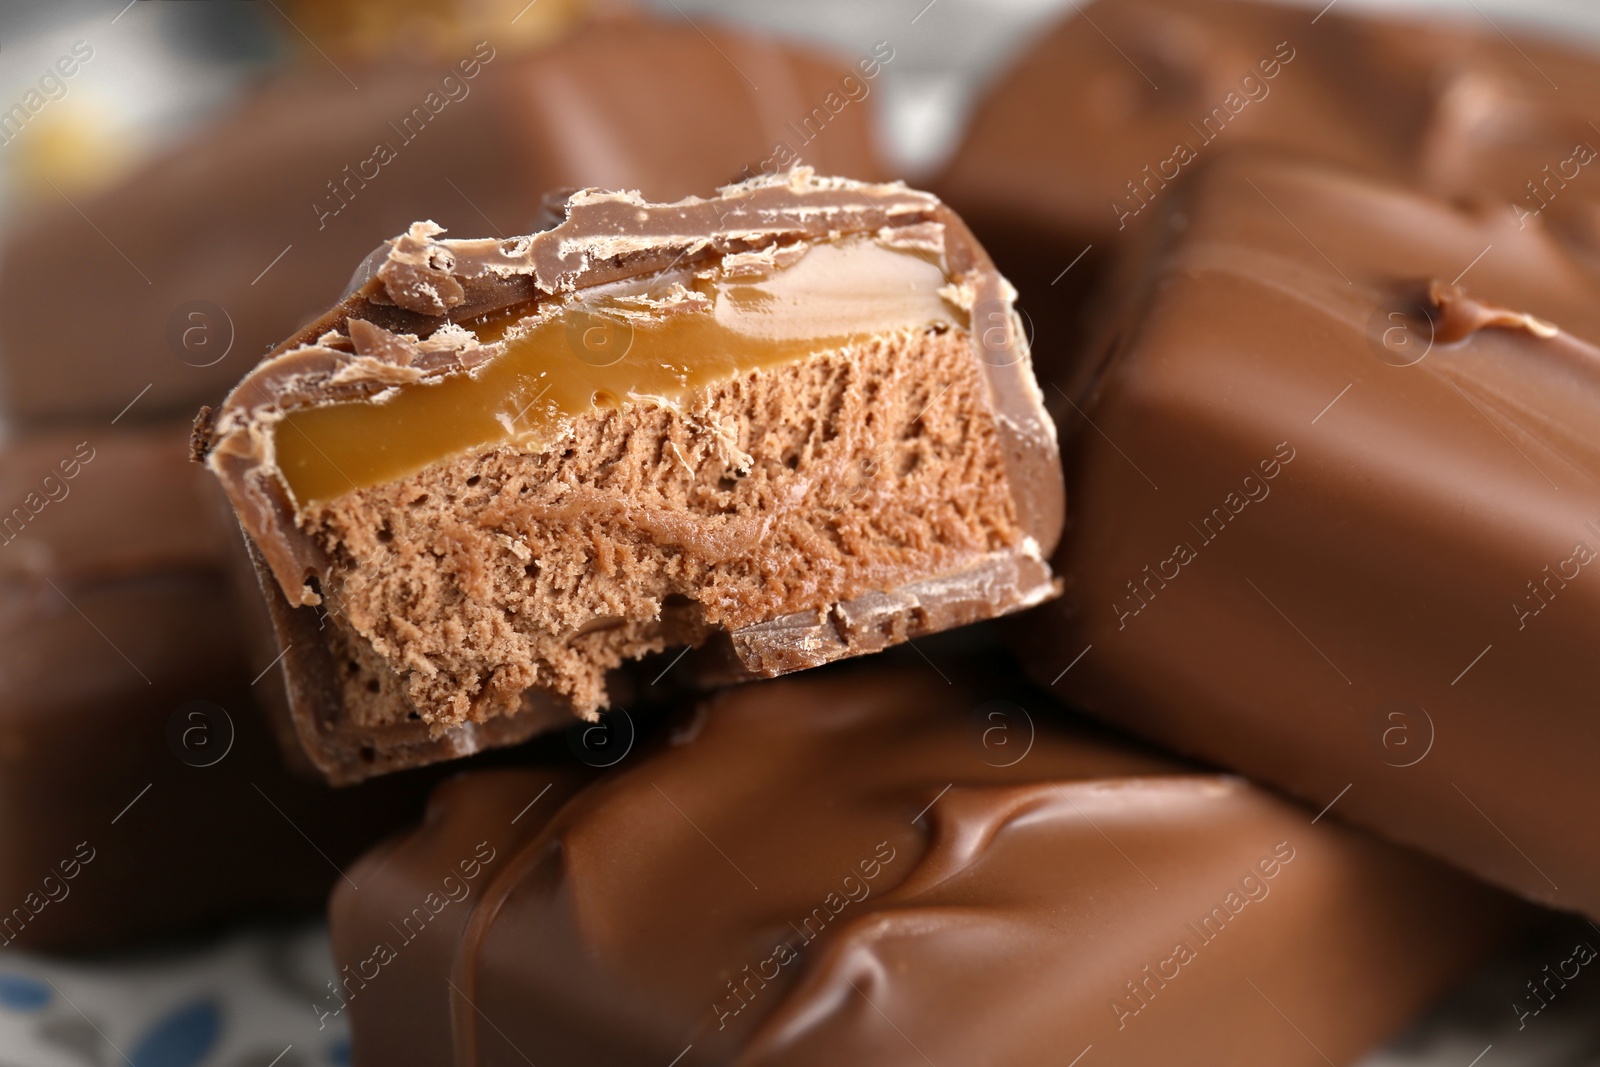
(241, 235)
(797, 417)
(1336, 465)
(141, 792)
(876, 868)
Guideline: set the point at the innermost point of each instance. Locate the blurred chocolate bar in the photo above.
(246, 231)
(371, 29)
(795, 421)
(1088, 134)
(140, 790)
(1334, 461)
(875, 867)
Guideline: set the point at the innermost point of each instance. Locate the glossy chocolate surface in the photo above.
(1087, 135)
(141, 791)
(1336, 471)
(1100, 119)
(872, 867)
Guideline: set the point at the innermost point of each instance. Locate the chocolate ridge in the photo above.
(608, 931)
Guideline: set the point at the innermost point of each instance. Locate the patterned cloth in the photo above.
(244, 1000)
(247, 999)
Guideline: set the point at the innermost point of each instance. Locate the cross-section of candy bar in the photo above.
(798, 418)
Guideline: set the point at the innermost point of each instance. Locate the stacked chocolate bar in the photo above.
(1320, 513)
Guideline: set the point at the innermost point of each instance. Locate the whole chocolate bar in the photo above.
(1083, 139)
(248, 230)
(140, 790)
(798, 417)
(875, 867)
(1336, 471)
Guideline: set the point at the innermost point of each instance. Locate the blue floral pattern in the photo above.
(245, 1000)
(184, 1037)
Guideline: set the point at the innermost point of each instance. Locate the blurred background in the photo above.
(159, 67)
(162, 65)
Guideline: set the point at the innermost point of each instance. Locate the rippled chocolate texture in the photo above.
(138, 782)
(654, 340)
(874, 867)
(214, 251)
(794, 422)
(1336, 486)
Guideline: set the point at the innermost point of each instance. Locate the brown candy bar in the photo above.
(1335, 463)
(1088, 134)
(873, 867)
(797, 417)
(140, 790)
(248, 230)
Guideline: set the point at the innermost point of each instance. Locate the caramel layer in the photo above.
(660, 338)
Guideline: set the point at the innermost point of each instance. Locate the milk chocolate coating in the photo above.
(1086, 135)
(418, 285)
(873, 867)
(140, 790)
(1336, 464)
(185, 275)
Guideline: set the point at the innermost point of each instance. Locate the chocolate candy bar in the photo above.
(250, 229)
(1336, 465)
(797, 417)
(1090, 131)
(875, 867)
(140, 791)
